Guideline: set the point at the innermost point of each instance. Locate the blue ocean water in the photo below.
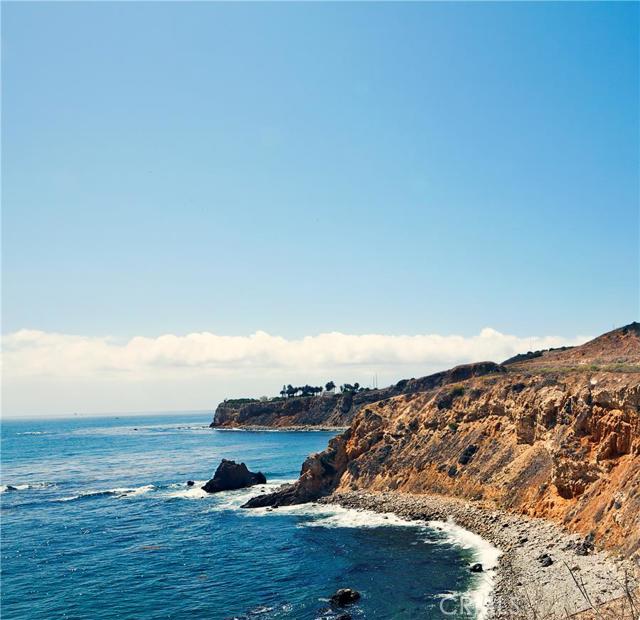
(102, 526)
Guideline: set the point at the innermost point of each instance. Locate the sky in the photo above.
(202, 200)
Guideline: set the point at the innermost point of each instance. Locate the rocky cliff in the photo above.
(554, 435)
(330, 410)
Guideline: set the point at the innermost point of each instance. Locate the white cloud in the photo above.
(57, 374)
(31, 353)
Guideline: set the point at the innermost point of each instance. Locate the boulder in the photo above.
(345, 596)
(545, 560)
(476, 568)
(231, 475)
(467, 454)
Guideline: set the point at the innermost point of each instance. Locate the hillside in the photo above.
(556, 435)
(616, 350)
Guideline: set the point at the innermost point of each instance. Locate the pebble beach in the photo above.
(542, 571)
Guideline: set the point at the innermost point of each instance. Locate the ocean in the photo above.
(101, 525)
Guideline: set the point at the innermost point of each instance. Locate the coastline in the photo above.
(284, 429)
(519, 586)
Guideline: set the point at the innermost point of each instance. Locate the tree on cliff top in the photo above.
(347, 387)
(330, 386)
(291, 391)
(305, 390)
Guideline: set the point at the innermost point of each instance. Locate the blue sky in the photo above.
(305, 168)
(300, 168)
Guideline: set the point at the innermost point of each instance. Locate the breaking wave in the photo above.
(32, 486)
(484, 552)
(119, 493)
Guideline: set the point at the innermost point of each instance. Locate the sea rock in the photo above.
(190, 483)
(345, 596)
(476, 568)
(231, 475)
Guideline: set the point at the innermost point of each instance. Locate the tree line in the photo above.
(289, 391)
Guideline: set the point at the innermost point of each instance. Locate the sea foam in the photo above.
(182, 491)
(32, 486)
(118, 493)
(484, 553)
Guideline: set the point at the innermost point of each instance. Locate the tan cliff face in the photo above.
(564, 448)
(557, 436)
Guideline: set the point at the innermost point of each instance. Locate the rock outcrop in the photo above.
(329, 410)
(231, 475)
(556, 435)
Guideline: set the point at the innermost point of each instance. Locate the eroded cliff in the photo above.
(555, 436)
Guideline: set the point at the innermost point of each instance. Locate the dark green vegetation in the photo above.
(289, 391)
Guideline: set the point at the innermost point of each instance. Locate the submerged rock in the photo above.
(231, 475)
(345, 596)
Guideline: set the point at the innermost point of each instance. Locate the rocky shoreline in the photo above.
(300, 428)
(543, 571)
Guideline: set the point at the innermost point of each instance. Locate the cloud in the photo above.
(33, 353)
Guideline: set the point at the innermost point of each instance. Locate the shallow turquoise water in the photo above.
(103, 526)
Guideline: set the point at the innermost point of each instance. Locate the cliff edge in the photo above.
(331, 410)
(554, 434)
